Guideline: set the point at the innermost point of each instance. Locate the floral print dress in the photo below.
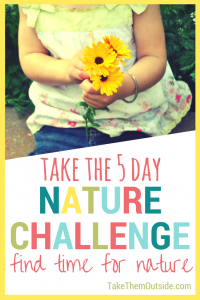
(63, 32)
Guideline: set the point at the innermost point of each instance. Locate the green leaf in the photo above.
(90, 118)
(16, 82)
(93, 110)
(104, 108)
(94, 125)
(88, 110)
(16, 91)
(81, 104)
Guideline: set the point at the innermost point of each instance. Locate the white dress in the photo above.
(63, 32)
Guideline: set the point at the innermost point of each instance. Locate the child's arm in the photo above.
(151, 49)
(151, 64)
(39, 66)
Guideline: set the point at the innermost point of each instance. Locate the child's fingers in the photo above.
(79, 65)
(93, 97)
(79, 75)
(97, 101)
(88, 87)
(94, 103)
(84, 75)
(91, 103)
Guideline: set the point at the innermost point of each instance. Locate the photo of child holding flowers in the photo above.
(100, 75)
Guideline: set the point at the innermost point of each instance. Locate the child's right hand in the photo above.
(76, 68)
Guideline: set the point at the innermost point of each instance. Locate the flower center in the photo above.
(98, 60)
(102, 78)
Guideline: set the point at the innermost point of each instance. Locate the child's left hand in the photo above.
(94, 98)
(97, 100)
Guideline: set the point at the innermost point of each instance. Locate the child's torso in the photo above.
(63, 30)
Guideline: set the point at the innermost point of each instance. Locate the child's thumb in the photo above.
(86, 85)
(84, 75)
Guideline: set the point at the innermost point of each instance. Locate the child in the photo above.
(51, 43)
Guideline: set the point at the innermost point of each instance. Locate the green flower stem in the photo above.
(89, 115)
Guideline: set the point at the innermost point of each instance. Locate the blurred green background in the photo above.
(179, 24)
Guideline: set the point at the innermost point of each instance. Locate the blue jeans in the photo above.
(52, 139)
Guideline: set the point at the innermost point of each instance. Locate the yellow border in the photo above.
(2, 120)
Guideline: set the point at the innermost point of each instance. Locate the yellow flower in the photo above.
(99, 59)
(117, 47)
(108, 84)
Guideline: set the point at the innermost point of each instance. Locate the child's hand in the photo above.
(76, 67)
(97, 100)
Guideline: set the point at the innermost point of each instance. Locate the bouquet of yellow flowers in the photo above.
(102, 64)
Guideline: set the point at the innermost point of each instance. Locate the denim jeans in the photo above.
(52, 139)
